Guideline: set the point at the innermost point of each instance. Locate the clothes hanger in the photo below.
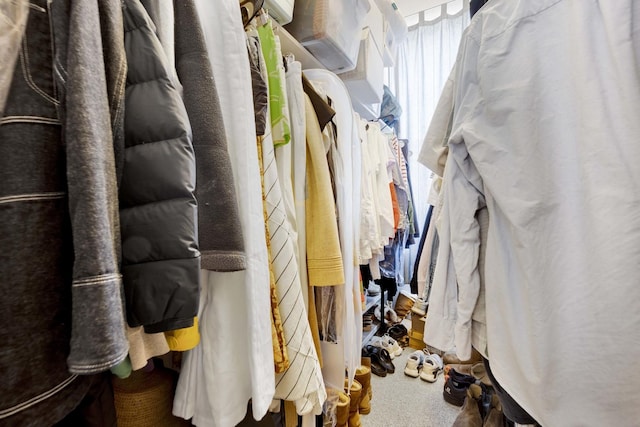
(250, 9)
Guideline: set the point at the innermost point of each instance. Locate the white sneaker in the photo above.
(395, 347)
(420, 307)
(414, 364)
(383, 343)
(431, 367)
(429, 371)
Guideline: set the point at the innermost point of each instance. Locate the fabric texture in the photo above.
(58, 200)
(347, 166)
(280, 354)
(12, 27)
(302, 381)
(236, 354)
(278, 107)
(163, 16)
(295, 94)
(144, 346)
(183, 339)
(324, 256)
(220, 238)
(560, 225)
(158, 209)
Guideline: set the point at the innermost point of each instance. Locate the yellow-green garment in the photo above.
(278, 106)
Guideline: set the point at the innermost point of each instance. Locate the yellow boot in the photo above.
(363, 375)
(366, 361)
(342, 410)
(355, 393)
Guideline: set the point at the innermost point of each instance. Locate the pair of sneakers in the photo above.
(423, 364)
(389, 344)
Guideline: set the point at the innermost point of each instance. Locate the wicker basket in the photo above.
(145, 399)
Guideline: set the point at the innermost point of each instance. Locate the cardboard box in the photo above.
(417, 323)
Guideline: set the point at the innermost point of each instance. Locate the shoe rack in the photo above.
(370, 303)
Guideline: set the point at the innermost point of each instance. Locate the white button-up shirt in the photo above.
(545, 131)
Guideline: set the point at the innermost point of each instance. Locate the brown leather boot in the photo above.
(363, 375)
(404, 303)
(470, 414)
(342, 410)
(355, 393)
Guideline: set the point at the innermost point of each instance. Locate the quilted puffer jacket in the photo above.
(158, 212)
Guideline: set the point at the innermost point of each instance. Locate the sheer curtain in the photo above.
(422, 68)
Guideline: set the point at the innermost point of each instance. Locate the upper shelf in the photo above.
(293, 46)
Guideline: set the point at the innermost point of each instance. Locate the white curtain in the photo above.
(421, 70)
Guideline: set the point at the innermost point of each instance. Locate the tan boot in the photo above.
(451, 358)
(355, 393)
(470, 414)
(342, 410)
(366, 361)
(495, 418)
(404, 303)
(363, 375)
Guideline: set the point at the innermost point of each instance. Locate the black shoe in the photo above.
(455, 389)
(381, 355)
(398, 332)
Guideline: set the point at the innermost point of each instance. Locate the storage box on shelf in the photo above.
(280, 10)
(375, 22)
(330, 30)
(395, 30)
(365, 83)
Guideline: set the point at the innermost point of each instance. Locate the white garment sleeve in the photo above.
(464, 194)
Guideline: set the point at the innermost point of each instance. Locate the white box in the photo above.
(330, 30)
(280, 10)
(375, 22)
(366, 82)
(395, 30)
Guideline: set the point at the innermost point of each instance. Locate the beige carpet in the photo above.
(399, 400)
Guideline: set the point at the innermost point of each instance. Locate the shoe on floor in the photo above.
(450, 357)
(470, 414)
(455, 388)
(420, 307)
(414, 364)
(388, 344)
(404, 303)
(398, 332)
(379, 356)
(429, 371)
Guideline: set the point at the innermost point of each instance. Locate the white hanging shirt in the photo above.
(234, 361)
(546, 132)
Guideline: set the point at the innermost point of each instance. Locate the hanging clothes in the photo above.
(561, 224)
(220, 234)
(348, 208)
(160, 256)
(236, 353)
(62, 310)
